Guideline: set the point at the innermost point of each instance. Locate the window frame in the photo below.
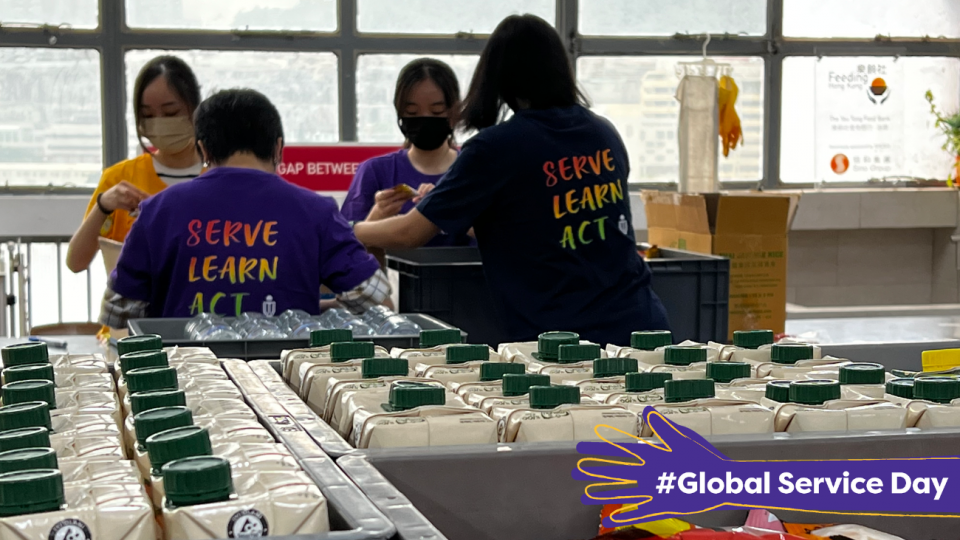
(114, 38)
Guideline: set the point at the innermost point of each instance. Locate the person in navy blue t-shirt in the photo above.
(546, 194)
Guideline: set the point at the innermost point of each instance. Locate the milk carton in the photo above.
(554, 413)
(546, 350)
(417, 415)
(76, 471)
(815, 405)
(752, 389)
(609, 376)
(511, 391)
(79, 380)
(62, 402)
(199, 406)
(37, 505)
(691, 403)
(87, 447)
(573, 363)
(645, 347)
(683, 362)
(862, 381)
(433, 346)
(372, 396)
(166, 378)
(463, 363)
(795, 361)
(640, 390)
(205, 499)
(929, 401)
(36, 353)
(343, 360)
(64, 426)
(296, 363)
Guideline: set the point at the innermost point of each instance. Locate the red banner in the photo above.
(327, 167)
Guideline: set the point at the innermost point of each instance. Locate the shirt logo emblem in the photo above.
(624, 226)
(269, 307)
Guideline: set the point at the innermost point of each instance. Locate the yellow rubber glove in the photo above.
(730, 130)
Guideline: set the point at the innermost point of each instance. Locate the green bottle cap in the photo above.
(151, 378)
(153, 399)
(778, 391)
(30, 390)
(29, 437)
(409, 395)
(901, 388)
(442, 336)
(548, 344)
(371, 368)
(614, 367)
(518, 385)
(26, 414)
(494, 371)
(645, 382)
(154, 421)
(677, 355)
(682, 390)
(31, 492)
(649, 341)
(197, 480)
(25, 459)
(458, 354)
(344, 351)
(34, 352)
(790, 353)
(724, 372)
(571, 354)
(551, 397)
(142, 359)
(814, 392)
(177, 443)
(322, 338)
(936, 389)
(145, 342)
(864, 373)
(752, 339)
(29, 372)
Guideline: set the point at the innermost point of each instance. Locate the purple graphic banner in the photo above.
(679, 473)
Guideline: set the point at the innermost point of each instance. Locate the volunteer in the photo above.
(546, 193)
(239, 238)
(165, 96)
(427, 93)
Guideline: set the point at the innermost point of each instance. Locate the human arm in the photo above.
(84, 244)
(410, 230)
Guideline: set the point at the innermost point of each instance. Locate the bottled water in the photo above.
(398, 325)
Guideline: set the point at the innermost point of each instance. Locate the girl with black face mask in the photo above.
(426, 99)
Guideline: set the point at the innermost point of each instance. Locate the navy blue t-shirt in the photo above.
(546, 194)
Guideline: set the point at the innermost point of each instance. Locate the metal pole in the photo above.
(348, 71)
(112, 81)
(773, 74)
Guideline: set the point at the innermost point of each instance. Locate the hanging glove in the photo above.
(730, 131)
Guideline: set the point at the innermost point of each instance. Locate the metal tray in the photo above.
(171, 330)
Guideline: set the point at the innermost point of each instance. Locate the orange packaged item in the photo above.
(663, 528)
(404, 189)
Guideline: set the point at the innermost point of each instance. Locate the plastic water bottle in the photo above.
(398, 325)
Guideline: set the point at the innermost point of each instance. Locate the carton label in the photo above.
(284, 422)
(70, 529)
(304, 355)
(247, 524)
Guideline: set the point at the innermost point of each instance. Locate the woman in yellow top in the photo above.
(165, 95)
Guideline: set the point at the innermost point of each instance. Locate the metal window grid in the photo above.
(113, 38)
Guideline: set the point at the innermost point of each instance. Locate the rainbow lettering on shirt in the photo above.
(586, 199)
(232, 268)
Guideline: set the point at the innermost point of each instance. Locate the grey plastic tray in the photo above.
(523, 491)
(171, 330)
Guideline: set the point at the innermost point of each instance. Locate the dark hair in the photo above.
(428, 69)
(238, 120)
(177, 74)
(524, 59)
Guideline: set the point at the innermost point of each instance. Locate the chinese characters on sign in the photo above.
(859, 118)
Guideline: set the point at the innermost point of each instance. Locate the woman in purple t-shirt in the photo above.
(427, 93)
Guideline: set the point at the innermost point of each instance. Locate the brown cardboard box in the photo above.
(749, 228)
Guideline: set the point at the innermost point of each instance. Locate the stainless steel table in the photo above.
(75, 344)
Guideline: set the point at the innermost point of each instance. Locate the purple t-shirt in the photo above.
(236, 240)
(386, 172)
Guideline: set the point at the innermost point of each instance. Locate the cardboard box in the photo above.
(749, 228)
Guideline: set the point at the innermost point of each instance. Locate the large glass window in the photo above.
(303, 87)
(316, 15)
(50, 127)
(638, 95)
(659, 18)
(914, 144)
(72, 13)
(868, 18)
(444, 16)
(376, 82)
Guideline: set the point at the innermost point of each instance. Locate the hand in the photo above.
(422, 192)
(387, 203)
(123, 196)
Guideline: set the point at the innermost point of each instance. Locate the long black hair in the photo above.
(524, 60)
(428, 69)
(177, 74)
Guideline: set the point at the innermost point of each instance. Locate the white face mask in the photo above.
(169, 135)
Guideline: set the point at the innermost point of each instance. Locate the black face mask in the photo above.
(426, 132)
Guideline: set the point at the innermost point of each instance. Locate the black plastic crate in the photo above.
(449, 284)
(172, 332)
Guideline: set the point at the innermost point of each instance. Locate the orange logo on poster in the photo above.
(840, 163)
(878, 92)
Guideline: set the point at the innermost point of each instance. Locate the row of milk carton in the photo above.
(164, 446)
(560, 388)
